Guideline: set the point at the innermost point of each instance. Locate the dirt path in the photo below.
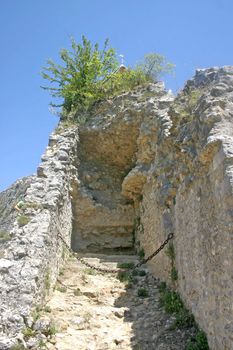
(98, 312)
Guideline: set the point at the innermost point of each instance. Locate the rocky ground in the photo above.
(93, 311)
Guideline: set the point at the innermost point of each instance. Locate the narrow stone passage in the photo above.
(100, 312)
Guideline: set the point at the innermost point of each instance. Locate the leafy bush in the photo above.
(198, 343)
(173, 304)
(90, 74)
(171, 301)
(125, 276)
(85, 68)
(154, 66)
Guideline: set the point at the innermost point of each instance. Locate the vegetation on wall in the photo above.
(89, 74)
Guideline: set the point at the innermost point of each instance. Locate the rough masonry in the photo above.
(142, 165)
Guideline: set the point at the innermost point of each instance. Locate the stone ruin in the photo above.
(144, 164)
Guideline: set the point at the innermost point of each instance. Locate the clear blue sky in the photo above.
(190, 33)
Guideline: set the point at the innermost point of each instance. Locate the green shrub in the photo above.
(143, 293)
(141, 253)
(125, 276)
(28, 332)
(61, 289)
(198, 343)
(129, 265)
(184, 319)
(162, 287)
(47, 281)
(4, 236)
(89, 74)
(174, 274)
(23, 220)
(139, 273)
(47, 309)
(79, 80)
(170, 252)
(171, 301)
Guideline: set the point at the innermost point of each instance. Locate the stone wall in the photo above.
(143, 164)
(103, 214)
(8, 199)
(31, 257)
(188, 190)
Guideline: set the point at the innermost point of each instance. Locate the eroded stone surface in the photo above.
(98, 312)
(189, 191)
(119, 134)
(31, 258)
(143, 164)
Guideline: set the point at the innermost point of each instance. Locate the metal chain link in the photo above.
(103, 270)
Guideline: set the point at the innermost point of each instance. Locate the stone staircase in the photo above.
(93, 311)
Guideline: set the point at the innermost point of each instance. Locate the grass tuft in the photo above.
(126, 265)
(4, 236)
(143, 293)
(23, 220)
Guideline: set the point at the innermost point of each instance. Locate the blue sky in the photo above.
(190, 33)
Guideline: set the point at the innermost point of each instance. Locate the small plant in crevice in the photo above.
(47, 281)
(125, 276)
(36, 313)
(140, 273)
(28, 332)
(61, 272)
(171, 301)
(47, 309)
(51, 330)
(174, 274)
(23, 220)
(4, 236)
(17, 347)
(199, 342)
(170, 252)
(126, 265)
(61, 289)
(173, 304)
(141, 254)
(143, 293)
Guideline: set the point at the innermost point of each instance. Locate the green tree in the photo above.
(88, 74)
(79, 79)
(154, 66)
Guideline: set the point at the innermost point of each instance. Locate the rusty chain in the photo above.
(103, 270)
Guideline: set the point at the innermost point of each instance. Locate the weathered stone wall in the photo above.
(8, 199)
(30, 259)
(188, 190)
(103, 214)
(143, 163)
